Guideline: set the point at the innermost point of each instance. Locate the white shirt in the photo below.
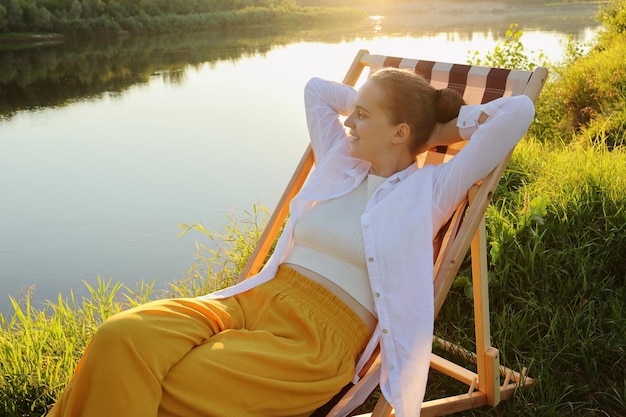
(399, 224)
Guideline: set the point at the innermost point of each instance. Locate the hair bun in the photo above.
(447, 103)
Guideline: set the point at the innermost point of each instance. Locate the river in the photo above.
(108, 146)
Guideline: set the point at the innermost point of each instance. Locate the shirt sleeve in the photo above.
(508, 120)
(325, 101)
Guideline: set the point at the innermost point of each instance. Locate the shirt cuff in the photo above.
(467, 122)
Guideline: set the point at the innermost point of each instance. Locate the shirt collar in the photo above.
(361, 168)
(401, 175)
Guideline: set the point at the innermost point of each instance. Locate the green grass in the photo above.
(557, 282)
(557, 239)
(39, 348)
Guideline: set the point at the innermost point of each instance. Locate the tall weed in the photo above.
(221, 256)
(39, 348)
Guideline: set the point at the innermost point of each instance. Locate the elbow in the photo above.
(312, 87)
(526, 108)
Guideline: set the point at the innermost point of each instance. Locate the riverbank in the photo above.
(18, 39)
(107, 23)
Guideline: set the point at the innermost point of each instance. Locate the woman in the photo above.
(353, 268)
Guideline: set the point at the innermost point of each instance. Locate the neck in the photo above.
(387, 170)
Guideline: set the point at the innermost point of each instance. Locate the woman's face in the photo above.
(371, 130)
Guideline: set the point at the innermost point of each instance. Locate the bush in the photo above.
(509, 54)
(102, 25)
(594, 88)
(586, 100)
(613, 19)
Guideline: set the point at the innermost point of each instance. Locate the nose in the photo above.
(349, 121)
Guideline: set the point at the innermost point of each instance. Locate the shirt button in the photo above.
(377, 295)
(391, 367)
(385, 331)
(370, 259)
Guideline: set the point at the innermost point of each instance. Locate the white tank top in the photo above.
(329, 242)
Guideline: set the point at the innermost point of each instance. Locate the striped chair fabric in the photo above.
(476, 84)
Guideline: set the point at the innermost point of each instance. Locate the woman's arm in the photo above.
(324, 102)
(448, 133)
(493, 130)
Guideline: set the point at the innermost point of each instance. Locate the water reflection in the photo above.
(52, 75)
(58, 74)
(488, 16)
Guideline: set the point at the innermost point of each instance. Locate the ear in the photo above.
(402, 133)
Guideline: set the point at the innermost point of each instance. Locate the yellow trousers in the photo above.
(283, 348)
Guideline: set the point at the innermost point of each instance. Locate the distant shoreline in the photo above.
(30, 38)
(455, 12)
(104, 26)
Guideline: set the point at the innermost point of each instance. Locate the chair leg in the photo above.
(382, 408)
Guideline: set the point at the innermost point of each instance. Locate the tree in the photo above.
(4, 23)
(15, 16)
(42, 19)
(76, 10)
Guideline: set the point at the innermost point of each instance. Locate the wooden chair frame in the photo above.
(466, 230)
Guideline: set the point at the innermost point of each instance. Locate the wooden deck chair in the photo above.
(465, 229)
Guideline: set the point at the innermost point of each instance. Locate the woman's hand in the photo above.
(443, 134)
(448, 133)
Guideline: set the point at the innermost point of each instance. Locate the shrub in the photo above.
(613, 19)
(591, 88)
(511, 53)
(585, 100)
